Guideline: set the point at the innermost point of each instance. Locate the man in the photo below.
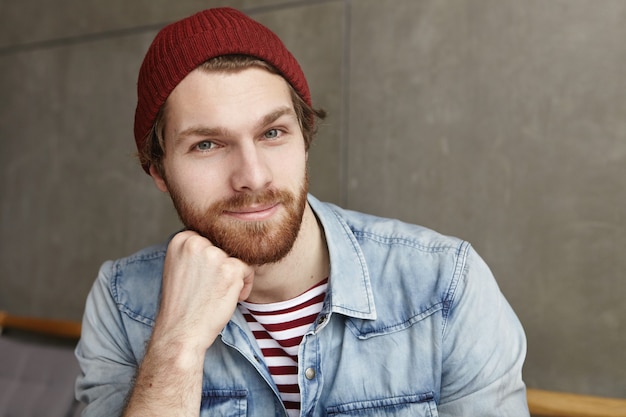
(271, 303)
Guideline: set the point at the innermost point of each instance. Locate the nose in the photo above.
(250, 171)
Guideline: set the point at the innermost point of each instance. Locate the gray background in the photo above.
(499, 121)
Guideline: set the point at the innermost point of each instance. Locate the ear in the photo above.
(158, 179)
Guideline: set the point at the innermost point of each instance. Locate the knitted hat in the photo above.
(182, 46)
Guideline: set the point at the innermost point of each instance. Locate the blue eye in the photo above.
(272, 134)
(205, 145)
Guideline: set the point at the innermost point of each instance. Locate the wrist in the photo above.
(181, 351)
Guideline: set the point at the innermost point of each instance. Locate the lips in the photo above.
(254, 213)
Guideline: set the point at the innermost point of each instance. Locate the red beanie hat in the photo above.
(182, 46)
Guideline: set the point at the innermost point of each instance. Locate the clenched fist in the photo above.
(201, 288)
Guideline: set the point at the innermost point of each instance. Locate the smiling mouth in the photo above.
(254, 213)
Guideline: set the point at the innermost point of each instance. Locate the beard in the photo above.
(253, 242)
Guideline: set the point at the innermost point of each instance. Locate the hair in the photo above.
(153, 150)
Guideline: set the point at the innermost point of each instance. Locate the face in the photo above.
(235, 162)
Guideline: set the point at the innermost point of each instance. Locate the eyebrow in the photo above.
(220, 131)
(275, 115)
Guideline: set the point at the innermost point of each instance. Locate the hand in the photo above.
(201, 288)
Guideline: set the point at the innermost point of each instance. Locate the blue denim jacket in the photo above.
(413, 325)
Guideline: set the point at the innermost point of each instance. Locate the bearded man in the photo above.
(270, 302)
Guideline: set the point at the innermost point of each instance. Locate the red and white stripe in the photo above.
(278, 329)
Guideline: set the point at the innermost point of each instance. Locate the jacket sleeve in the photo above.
(107, 362)
(484, 347)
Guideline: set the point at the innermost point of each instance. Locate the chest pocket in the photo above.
(406, 406)
(224, 403)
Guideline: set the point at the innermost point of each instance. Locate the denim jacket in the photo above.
(413, 325)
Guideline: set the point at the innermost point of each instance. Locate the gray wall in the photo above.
(502, 122)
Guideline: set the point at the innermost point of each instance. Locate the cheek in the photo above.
(290, 172)
(292, 163)
(196, 186)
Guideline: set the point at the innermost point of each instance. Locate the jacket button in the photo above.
(309, 373)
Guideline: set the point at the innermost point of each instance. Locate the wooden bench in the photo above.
(561, 404)
(37, 367)
(49, 327)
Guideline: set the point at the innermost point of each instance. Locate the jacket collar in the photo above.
(350, 290)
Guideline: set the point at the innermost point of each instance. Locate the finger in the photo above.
(181, 237)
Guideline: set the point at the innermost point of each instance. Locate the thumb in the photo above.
(248, 281)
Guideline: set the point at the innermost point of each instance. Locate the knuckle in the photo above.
(178, 239)
(182, 239)
(194, 243)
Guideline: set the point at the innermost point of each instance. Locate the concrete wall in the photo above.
(502, 122)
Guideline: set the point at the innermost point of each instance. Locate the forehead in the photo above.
(212, 93)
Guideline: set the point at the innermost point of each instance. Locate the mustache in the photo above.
(242, 200)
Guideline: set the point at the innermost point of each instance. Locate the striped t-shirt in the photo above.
(278, 329)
